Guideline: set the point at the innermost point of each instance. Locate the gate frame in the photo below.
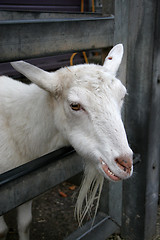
(142, 77)
(137, 26)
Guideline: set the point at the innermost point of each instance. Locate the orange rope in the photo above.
(84, 53)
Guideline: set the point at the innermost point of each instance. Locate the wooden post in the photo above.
(140, 33)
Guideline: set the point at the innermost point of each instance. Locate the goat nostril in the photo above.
(124, 163)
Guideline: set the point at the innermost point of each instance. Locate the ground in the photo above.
(53, 215)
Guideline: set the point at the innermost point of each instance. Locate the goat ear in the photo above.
(35, 74)
(114, 59)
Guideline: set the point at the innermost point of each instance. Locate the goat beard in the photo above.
(89, 193)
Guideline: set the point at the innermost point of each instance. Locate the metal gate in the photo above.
(131, 206)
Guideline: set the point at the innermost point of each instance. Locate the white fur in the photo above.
(36, 119)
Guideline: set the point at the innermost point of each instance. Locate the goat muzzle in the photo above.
(125, 163)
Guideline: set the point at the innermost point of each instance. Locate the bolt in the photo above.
(153, 167)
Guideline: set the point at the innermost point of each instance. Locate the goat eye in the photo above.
(76, 106)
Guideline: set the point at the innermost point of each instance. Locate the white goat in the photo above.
(78, 106)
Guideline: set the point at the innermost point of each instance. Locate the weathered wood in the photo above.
(21, 39)
(142, 115)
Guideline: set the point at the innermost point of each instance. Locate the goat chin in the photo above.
(90, 191)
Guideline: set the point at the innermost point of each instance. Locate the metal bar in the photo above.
(37, 177)
(54, 20)
(17, 15)
(153, 169)
(111, 197)
(140, 195)
(34, 165)
(120, 36)
(102, 228)
(111, 200)
(22, 39)
(107, 7)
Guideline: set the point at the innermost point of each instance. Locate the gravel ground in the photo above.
(53, 216)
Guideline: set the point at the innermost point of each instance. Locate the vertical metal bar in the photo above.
(154, 136)
(120, 34)
(111, 198)
(107, 8)
(141, 191)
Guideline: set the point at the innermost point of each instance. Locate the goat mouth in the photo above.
(108, 172)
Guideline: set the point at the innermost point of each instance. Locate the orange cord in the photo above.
(85, 57)
(84, 53)
(71, 58)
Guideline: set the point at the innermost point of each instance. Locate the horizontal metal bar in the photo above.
(34, 165)
(17, 15)
(102, 228)
(36, 177)
(22, 39)
(52, 20)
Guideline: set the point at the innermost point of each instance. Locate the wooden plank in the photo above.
(142, 116)
(36, 177)
(22, 39)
